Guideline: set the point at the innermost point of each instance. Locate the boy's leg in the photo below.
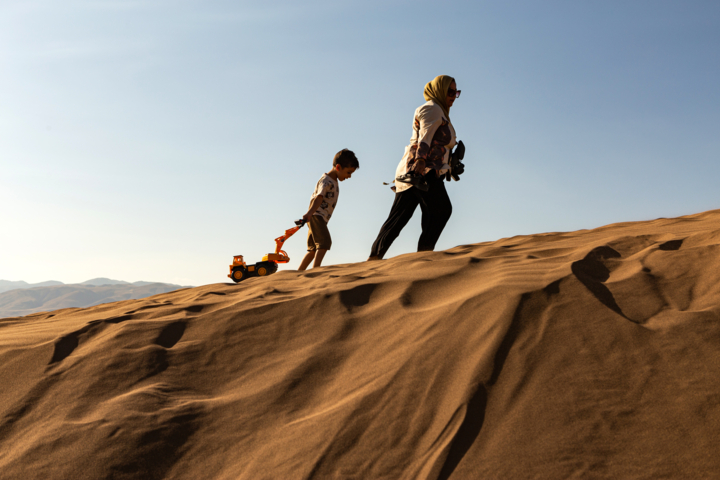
(319, 257)
(311, 250)
(306, 260)
(321, 237)
(401, 212)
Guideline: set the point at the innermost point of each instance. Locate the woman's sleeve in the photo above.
(430, 118)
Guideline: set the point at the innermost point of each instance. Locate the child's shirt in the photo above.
(329, 189)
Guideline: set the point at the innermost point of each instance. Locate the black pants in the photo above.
(436, 210)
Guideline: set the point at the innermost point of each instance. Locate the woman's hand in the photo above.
(419, 166)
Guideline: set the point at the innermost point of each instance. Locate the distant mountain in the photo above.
(18, 298)
(24, 301)
(6, 285)
(103, 281)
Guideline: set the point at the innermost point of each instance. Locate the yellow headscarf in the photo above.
(437, 91)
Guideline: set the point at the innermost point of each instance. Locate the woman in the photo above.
(419, 176)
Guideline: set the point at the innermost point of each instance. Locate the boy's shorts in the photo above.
(318, 234)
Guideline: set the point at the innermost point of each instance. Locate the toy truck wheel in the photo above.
(272, 267)
(268, 268)
(238, 273)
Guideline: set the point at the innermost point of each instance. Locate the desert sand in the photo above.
(588, 354)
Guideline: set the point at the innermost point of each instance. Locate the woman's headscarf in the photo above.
(437, 91)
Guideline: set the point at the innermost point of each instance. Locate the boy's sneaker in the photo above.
(414, 179)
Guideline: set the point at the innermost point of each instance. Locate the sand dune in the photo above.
(589, 354)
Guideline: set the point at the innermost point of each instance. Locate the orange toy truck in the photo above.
(239, 270)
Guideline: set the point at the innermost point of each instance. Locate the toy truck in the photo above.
(239, 270)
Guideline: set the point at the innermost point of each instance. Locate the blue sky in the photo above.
(152, 140)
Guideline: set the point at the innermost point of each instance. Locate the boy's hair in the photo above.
(346, 158)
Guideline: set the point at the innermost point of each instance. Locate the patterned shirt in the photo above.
(432, 140)
(330, 190)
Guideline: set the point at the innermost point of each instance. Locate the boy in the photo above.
(322, 204)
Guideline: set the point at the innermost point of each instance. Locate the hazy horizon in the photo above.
(157, 140)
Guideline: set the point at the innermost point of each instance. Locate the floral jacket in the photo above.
(432, 140)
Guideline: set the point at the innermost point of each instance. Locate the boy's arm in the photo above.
(313, 208)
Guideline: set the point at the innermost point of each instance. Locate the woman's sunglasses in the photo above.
(454, 93)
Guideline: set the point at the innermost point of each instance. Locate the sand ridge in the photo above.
(589, 354)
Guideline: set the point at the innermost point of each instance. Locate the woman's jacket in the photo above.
(432, 140)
